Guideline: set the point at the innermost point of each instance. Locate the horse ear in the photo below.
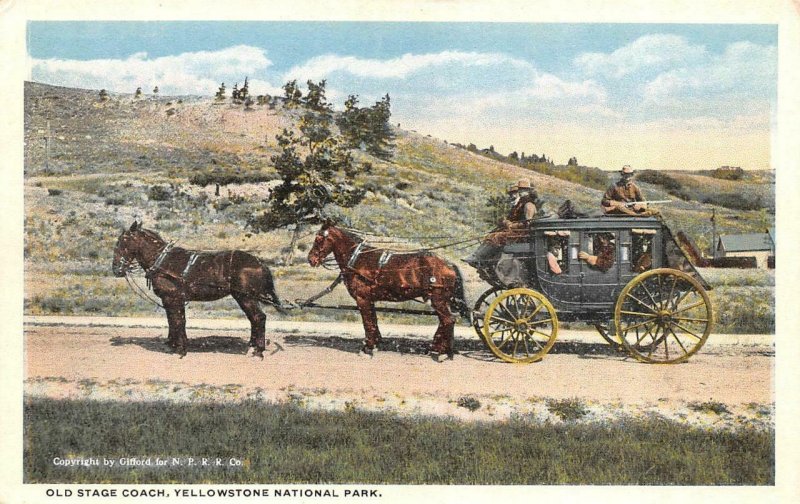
(134, 226)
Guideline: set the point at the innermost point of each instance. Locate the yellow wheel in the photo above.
(479, 310)
(663, 316)
(520, 326)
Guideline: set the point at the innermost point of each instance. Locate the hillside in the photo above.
(112, 161)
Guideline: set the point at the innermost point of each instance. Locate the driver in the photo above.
(618, 198)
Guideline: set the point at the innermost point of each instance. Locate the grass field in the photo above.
(284, 444)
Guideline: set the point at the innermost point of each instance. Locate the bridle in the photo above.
(131, 265)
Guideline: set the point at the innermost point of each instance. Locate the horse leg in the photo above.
(443, 339)
(370, 320)
(258, 323)
(176, 317)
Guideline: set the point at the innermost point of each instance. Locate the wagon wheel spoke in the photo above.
(501, 331)
(680, 299)
(504, 341)
(680, 323)
(641, 303)
(506, 312)
(541, 333)
(535, 312)
(637, 314)
(678, 340)
(684, 329)
(640, 324)
(687, 308)
(649, 332)
(654, 344)
(525, 344)
(690, 319)
(516, 346)
(542, 321)
(515, 300)
(650, 295)
(671, 290)
(497, 318)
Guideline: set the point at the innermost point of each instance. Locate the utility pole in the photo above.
(47, 148)
(714, 233)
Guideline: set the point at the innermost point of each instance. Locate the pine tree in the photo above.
(292, 93)
(368, 128)
(316, 170)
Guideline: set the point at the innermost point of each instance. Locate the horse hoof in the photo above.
(367, 352)
(441, 357)
(258, 354)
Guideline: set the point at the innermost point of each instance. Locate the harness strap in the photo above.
(353, 257)
(161, 256)
(189, 264)
(384, 258)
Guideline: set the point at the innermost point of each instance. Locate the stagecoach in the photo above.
(644, 296)
(650, 301)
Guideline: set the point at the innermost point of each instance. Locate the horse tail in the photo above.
(268, 294)
(459, 301)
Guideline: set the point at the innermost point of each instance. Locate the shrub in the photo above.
(159, 193)
(736, 201)
(709, 407)
(226, 176)
(567, 409)
(469, 402)
(115, 200)
(728, 173)
(54, 192)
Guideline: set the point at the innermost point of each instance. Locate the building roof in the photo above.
(746, 242)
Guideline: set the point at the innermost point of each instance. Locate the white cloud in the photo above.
(744, 68)
(645, 54)
(187, 73)
(549, 87)
(403, 67)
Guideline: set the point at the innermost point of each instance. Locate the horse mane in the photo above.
(152, 234)
(352, 235)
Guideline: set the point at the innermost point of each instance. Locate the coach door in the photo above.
(600, 282)
(558, 271)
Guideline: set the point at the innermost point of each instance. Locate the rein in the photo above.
(362, 234)
(139, 291)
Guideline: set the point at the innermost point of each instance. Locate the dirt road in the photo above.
(317, 365)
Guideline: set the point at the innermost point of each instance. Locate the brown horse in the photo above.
(178, 275)
(372, 275)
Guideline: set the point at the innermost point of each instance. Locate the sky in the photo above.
(659, 96)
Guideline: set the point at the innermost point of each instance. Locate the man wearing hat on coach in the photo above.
(524, 206)
(621, 197)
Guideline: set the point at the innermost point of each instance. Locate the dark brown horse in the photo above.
(372, 274)
(178, 275)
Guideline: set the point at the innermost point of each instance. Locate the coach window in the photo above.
(601, 250)
(642, 249)
(557, 251)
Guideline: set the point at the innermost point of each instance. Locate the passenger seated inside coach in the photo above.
(603, 252)
(642, 244)
(557, 243)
